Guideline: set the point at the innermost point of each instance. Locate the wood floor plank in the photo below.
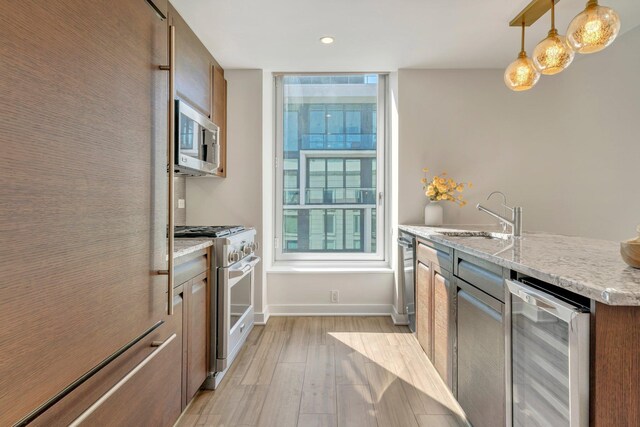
(282, 405)
(440, 421)
(296, 346)
(317, 420)
(263, 364)
(389, 399)
(355, 406)
(319, 390)
(350, 359)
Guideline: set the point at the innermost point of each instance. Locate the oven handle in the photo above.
(247, 266)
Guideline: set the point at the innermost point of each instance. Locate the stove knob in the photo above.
(234, 256)
(246, 250)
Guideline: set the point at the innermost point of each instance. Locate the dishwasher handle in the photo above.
(405, 242)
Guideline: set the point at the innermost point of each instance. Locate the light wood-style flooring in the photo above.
(328, 371)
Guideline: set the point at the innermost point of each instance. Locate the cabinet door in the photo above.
(220, 115)
(197, 335)
(424, 304)
(481, 384)
(84, 105)
(193, 66)
(443, 326)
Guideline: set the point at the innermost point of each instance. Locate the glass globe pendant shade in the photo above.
(593, 29)
(521, 74)
(553, 54)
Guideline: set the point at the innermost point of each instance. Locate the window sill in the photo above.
(305, 267)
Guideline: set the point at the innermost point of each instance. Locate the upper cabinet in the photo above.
(193, 66)
(200, 80)
(220, 114)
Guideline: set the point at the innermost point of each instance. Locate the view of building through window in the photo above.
(330, 155)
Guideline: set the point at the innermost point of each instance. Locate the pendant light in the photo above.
(553, 54)
(593, 29)
(521, 74)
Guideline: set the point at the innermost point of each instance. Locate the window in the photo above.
(329, 192)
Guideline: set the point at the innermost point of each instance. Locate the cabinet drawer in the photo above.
(439, 256)
(485, 276)
(190, 266)
(150, 395)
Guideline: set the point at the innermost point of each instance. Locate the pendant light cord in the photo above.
(553, 15)
(522, 39)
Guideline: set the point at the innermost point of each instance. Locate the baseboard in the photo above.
(330, 310)
(261, 318)
(398, 319)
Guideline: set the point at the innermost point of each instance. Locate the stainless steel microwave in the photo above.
(197, 147)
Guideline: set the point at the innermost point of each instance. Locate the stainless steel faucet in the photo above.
(516, 215)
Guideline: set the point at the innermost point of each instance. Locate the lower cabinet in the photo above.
(435, 309)
(197, 334)
(193, 275)
(424, 304)
(141, 387)
(444, 326)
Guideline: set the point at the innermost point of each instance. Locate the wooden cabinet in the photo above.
(435, 307)
(84, 105)
(424, 304)
(193, 66)
(220, 114)
(443, 325)
(142, 386)
(193, 274)
(197, 333)
(200, 80)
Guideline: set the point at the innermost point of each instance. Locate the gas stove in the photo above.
(214, 231)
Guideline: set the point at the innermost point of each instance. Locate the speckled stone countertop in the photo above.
(183, 247)
(588, 267)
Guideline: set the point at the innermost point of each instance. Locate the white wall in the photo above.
(237, 199)
(568, 151)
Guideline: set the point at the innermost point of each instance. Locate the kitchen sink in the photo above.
(475, 234)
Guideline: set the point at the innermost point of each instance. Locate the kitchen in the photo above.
(289, 268)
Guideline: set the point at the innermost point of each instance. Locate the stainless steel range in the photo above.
(234, 261)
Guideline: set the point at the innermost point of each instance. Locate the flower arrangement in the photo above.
(440, 187)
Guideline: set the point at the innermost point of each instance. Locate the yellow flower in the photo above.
(444, 173)
(439, 198)
(425, 170)
(460, 188)
(423, 180)
(470, 185)
(463, 203)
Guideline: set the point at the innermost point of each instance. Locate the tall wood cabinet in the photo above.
(83, 127)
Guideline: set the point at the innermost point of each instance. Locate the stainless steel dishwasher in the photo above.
(406, 287)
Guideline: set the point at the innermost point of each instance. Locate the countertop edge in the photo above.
(606, 295)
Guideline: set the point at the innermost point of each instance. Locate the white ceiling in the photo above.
(372, 35)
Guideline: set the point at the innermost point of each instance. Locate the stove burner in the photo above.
(207, 230)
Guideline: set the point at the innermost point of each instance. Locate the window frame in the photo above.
(382, 182)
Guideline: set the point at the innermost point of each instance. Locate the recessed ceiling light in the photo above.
(326, 40)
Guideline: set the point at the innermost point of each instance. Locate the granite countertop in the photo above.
(588, 267)
(184, 246)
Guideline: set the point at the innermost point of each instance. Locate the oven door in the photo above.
(235, 308)
(197, 148)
